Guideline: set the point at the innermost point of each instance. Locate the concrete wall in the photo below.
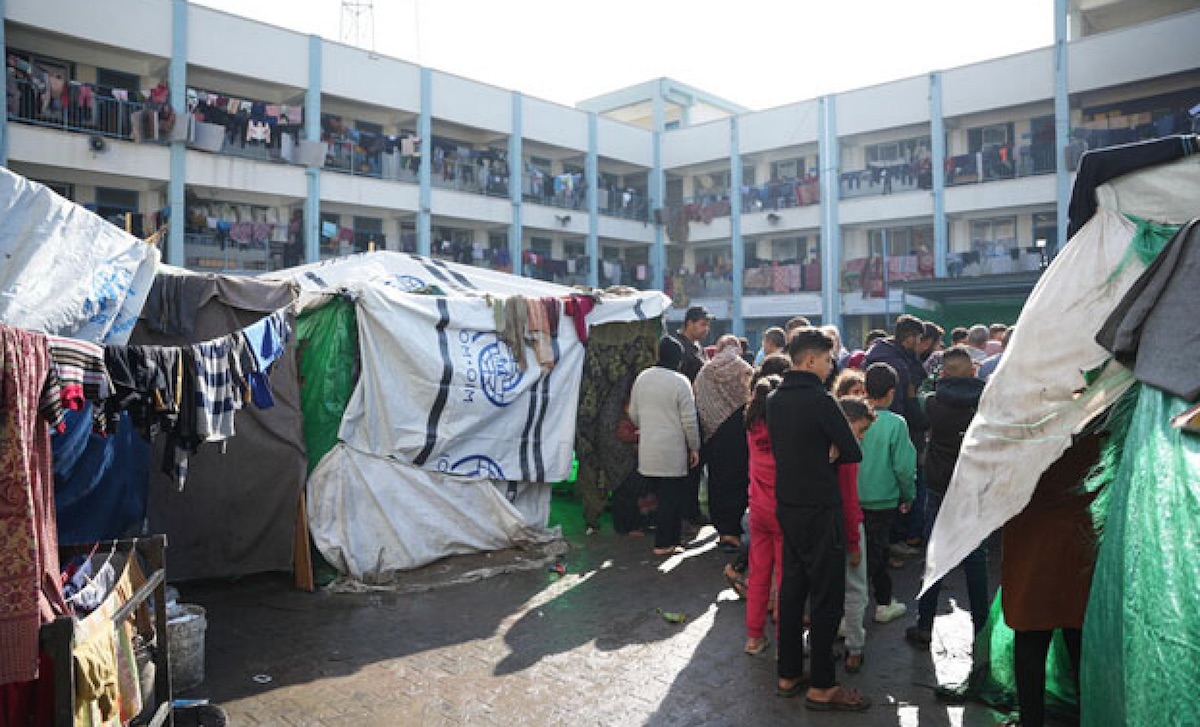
(43, 146)
(367, 192)
(470, 207)
(695, 145)
(553, 124)
(470, 103)
(625, 143)
(1001, 194)
(243, 47)
(230, 173)
(791, 125)
(1153, 49)
(353, 73)
(140, 25)
(1012, 81)
(899, 103)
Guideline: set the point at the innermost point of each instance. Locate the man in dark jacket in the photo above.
(950, 409)
(900, 351)
(697, 324)
(809, 438)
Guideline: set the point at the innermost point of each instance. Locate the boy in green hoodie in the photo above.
(886, 482)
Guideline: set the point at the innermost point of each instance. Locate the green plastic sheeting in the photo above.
(1141, 639)
(328, 341)
(993, 678)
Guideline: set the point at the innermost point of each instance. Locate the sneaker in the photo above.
(890, 612)
(918, 635)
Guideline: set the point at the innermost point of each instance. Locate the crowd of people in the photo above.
(825, 469)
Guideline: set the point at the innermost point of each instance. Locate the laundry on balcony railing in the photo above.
(886, 178)
(782, 278)
(244, 127)
(48, 98)
(866, 275)
(781, 193)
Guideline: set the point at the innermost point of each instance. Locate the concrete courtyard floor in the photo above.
(535, 648)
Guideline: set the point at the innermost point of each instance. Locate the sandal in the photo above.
(798, 686)
(843, 700)
(757, 645)
(736, 581)
(854, 663)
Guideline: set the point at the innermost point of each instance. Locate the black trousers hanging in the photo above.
(1029, 656)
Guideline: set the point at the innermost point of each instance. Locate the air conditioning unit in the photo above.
(97, 143)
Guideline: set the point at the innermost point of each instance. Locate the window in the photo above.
(788, 168)
(540, 245)
(62, 189)
(112, 203)
(541, 163)
(994, 236)
(897, 152)
(117, 79)
(993, 135)
(900, 241)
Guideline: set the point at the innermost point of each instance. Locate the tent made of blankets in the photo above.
(464, 411)
(1117, 303)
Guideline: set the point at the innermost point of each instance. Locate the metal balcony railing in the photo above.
(75, 107)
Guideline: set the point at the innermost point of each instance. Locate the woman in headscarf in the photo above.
(722, 392)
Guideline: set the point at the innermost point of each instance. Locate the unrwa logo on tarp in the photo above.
(477, 465)
(407, 283)
(495, 371)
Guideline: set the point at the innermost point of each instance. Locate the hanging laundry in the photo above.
(265, 343)
(217, 387)
(516, 320)
(29, 559)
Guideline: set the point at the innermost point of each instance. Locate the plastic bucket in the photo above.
(185, 631)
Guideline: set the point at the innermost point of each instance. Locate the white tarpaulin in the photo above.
(441, 391)
(1033, 402)
(66, 271)
(404, 271)
(372, 516)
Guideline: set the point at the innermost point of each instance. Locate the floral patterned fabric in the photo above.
(29, 590)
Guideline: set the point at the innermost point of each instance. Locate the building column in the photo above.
(425, 170)
(174, 253)
(937, 135)
(831, 231)
(312, 133)
(516, 170)
(658, 215)
(738, 253)
(4, 116)
(592, 171)
(1062, 125)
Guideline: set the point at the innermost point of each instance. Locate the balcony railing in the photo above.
(779, 195)
(76, 107)
(782, 279)
(886, 179)
(1000, 162)
(220, 253)
(866, 275)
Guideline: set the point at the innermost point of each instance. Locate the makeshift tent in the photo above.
(1140, 628)
(66, 271)
(237, 512)
(450, 441)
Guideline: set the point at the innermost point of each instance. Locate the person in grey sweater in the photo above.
(663, 408)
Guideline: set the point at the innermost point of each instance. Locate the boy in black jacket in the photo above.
(810, 437)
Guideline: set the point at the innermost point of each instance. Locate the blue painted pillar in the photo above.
(174, 254)
(831, 231)
(738, 254)
(516, 170)
(312, 133)
(425, 170)
(937, 135)
(592, 171)
(4, 116)
(1062, 124)
(658, 187)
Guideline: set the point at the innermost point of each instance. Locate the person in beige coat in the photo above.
(662, 406)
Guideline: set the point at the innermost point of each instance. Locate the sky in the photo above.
(757, 54)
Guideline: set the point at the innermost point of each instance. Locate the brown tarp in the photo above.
(237, 513)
